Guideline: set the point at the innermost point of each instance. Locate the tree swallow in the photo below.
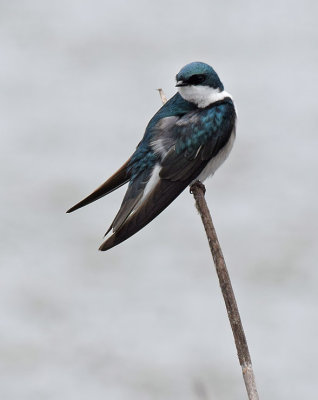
(186, 140)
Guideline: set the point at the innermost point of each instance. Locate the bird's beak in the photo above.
(180, 83)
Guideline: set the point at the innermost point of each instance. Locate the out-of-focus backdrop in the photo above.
(146, 320)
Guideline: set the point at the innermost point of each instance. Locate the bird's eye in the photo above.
(196, 79)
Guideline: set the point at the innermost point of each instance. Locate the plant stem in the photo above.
(198, 191)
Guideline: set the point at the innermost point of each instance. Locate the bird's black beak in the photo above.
(181, 83)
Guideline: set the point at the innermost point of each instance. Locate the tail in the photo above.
(119, 178)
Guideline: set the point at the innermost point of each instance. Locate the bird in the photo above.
(188, 138)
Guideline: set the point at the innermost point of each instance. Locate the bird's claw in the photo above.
(199, 185)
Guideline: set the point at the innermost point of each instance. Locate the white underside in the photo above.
(218, 160)
(201, 95)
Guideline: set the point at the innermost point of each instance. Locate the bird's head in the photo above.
(198, 80)
(198, 74)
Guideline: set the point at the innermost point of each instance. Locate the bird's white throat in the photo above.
(201, 95)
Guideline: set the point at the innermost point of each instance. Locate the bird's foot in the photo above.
(199, 185)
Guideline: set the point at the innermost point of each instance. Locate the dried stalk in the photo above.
(162, 96)
(198, 191)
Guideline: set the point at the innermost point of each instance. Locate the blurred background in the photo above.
(146, 320)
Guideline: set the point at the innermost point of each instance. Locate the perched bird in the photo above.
(186, 140)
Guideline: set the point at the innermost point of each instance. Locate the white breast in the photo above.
(218, 160)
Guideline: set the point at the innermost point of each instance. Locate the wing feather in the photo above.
(131, 199)
(154, 203)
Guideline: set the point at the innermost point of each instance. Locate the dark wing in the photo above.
(132, 197)
(202, 136)
(199, 137)
(157, 200)
(118, 179)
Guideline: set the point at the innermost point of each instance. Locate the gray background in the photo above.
(146, 320)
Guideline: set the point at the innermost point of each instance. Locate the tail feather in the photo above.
(118, 179)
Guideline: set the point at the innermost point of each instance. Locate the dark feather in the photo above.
(132, 197)
(118, 179)
(157, 200)
(176, 167)
(200, 136)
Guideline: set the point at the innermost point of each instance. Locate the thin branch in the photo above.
(198, 191)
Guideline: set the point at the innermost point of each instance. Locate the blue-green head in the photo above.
(199, 74)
